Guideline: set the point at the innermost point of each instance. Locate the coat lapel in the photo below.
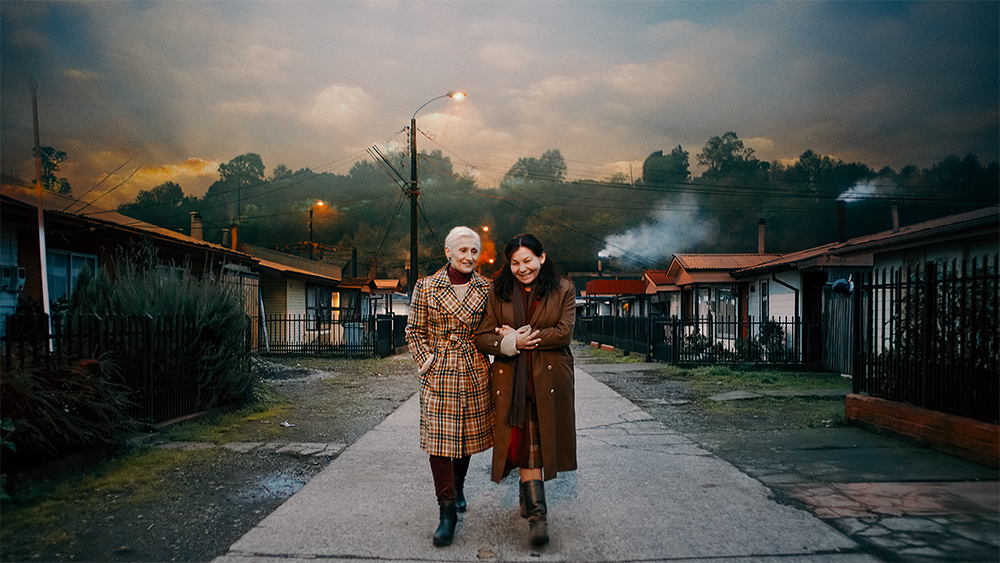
(466, 310)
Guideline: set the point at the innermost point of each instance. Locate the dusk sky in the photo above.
(168, 90)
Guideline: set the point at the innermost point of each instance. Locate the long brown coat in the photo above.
(552, 373)
(456, 414)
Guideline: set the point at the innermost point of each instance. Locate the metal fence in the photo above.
(701, 340)
(928, 336)
(151, 354)
(379, 336)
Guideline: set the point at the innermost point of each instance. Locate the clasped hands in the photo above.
(524, 338)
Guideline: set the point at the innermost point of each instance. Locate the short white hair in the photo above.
(461, 232)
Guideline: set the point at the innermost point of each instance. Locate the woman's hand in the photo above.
(525, 338)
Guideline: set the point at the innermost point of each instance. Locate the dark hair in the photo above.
(547, 280)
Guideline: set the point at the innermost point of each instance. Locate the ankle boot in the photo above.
(460, 504)
(446, 528)
(534, 503)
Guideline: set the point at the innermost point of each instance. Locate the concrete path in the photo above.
(642, 493)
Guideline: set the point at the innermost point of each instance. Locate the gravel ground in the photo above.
(212, 495)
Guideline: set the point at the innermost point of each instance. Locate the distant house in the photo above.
(664, 295)
(620, 298)
(79, 235)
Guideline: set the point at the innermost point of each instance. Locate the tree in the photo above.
(551, 166)
(51, 158)
(659, 169)
(726, 155)
(165, 205)
(280, 171)
(247, 168)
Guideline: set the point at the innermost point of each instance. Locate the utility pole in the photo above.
(42, 261)
(414, 194)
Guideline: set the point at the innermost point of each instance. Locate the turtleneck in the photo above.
(457, 277)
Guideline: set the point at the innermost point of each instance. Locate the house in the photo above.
(663, 294)
(706, 285)
(81, 235)
(619, 298)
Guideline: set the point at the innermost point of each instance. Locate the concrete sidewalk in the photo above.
(642, 493)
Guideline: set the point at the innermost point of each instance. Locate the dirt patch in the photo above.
(192, 504)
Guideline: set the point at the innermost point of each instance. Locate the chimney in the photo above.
(354, 262)
(236, 236)
(760, 236)
(895, 216)
(841, 221)
(197, 227)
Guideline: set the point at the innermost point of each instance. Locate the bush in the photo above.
(53, 410)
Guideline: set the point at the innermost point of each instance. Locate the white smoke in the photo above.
(869, 189)
(670, 231)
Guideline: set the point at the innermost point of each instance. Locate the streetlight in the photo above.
(311, 246)
(414, 192)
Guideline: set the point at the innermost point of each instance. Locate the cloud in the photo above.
(339, 106)
(505, 56)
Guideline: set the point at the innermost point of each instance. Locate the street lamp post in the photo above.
(414, 192)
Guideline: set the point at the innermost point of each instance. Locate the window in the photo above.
(725, 311)
(318, 307)
(764, 310)
(63, 269)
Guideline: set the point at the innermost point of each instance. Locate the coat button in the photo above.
(499, 371)
(498, 391)
(550, 367)
(551, 391)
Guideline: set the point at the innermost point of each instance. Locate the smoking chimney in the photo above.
(197, 226)
(760, 236)
(236, 236)
(895, 216)
(841, 221)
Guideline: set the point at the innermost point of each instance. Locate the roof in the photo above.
(817, 257)
(286, 269)
(727, 262)
(658, 277)
(386, 285)
(986, 220)
(289, 263)
(58, 204)
(616, 287)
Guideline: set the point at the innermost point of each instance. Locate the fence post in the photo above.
(856, 327)
(929, 321)
(147, 362)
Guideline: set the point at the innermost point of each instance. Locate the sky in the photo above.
(140, 93)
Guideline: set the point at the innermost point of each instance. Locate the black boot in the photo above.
(446, 528)
(520, 502)
(534, 503)
(460, 504)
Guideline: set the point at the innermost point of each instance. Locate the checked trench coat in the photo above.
(456, 412)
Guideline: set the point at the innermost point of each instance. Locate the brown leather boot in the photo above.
(534, 503)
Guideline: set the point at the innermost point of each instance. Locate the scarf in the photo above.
(458, 278)
(519, 400)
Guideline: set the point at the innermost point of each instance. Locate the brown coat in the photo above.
(456, 414)
(552, 373)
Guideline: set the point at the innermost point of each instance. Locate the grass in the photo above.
(132, 478)
(720, 378)
(223, 427)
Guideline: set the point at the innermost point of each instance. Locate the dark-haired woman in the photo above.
(456, 414)
(527, 327)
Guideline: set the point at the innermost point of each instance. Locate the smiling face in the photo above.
(463, 254)
(524, 264)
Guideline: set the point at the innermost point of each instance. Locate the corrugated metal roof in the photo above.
(726, 262)
(925, 228)
(658, 277)
(58, 203)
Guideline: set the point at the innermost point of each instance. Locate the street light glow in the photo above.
(456, 95)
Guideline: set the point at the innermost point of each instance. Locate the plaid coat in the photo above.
(456, 413)
(552, 374)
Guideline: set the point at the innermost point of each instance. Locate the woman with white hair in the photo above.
(456, 411)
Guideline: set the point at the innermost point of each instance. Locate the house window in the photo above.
(318, 307)
(725, 311)
(64, 268)
(764, 298)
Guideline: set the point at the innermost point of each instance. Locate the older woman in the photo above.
(456, 414)
(527, 327)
